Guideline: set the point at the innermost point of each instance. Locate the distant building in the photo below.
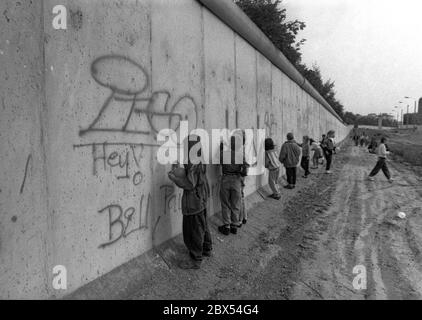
(414, 118)
(420, 106)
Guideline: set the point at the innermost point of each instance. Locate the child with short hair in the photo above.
(382, 152)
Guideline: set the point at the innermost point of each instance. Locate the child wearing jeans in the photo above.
(273, 165)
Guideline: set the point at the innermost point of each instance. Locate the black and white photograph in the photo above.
(210, 155)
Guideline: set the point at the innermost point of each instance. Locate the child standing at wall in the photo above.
(273, 165)
(289, 156)
(330, 149)
(231, 188)
(243, 213)
(306, 151)
(317, 153)
(196, 235)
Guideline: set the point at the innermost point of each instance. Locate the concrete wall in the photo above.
(80, 185)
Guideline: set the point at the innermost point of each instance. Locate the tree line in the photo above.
(271, 18)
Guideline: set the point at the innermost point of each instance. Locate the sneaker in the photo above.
(391, 180)
(244, 221)
(276, 197)
(371, 179)
(328, 172)
(287, 186)
(233, 230)
(224, 230)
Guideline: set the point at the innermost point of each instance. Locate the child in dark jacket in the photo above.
(196, 234)
(306, 152)
(273, 165)
(289, 156)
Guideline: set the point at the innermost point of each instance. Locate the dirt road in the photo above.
(358, 226)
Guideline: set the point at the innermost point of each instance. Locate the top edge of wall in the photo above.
(228, 12)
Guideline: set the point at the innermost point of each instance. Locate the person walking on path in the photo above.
(289, 157)
(273, 165)
(382, 162)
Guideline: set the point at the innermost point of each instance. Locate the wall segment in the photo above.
(80, 185)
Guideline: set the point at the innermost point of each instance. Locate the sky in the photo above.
(372, 49)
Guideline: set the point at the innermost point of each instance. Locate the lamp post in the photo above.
(401, 108)
(397, 114)
(414, 100)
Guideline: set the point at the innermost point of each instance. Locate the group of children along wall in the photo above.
(192, 178)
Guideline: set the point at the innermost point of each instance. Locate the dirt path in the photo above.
(357, 226)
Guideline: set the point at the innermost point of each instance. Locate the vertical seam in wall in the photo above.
(203, 65)
(271, 93)
(256, 88)
(235, 81)
(282, 104)
(150, 44)
(43, 117)
(151, 156)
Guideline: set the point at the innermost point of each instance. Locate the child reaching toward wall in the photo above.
(317, 153)
(192, 178)
(273, 165)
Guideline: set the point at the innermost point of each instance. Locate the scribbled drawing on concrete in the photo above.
(122, 159)
(28, 161)
(172, 199)
(127, 109)
(127, 221)
(270, 124)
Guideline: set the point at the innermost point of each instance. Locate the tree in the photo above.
(271, 19)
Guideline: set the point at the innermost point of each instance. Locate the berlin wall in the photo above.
(80, 185)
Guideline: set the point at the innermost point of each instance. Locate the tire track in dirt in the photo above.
(362, 229)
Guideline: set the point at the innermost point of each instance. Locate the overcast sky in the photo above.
(371, 48)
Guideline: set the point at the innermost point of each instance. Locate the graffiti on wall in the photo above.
(122, 160)
(124, 221)
(131, 107)
(270, 124)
